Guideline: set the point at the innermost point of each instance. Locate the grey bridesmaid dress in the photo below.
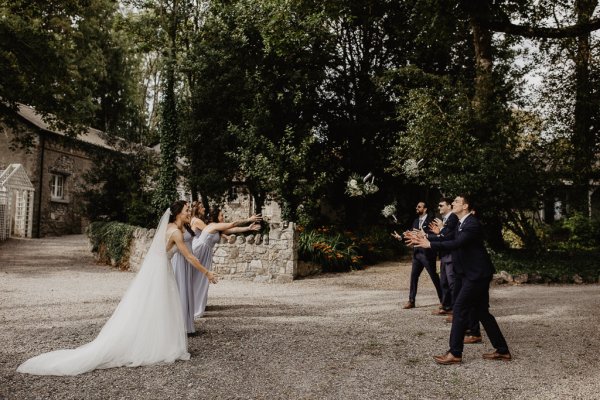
(202, 247)
(183, 276)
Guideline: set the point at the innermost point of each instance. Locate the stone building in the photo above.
(55, 165)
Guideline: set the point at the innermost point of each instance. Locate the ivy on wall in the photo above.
(111, 241)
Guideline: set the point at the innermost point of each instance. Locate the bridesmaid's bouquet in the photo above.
(411, 167)
(390, 211)
(360, 186)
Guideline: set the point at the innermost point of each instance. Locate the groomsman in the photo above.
(445, 228)
(473, 265)
(422, 258)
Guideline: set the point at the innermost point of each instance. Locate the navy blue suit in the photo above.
(473, 265)
(423, 258)
(446, 268)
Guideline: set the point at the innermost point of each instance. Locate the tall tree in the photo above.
(59, 57)
(490, 16)
(257, 67)
(169, 133)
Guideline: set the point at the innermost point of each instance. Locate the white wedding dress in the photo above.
(146, 327)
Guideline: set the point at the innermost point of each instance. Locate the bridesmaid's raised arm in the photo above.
(224, 226)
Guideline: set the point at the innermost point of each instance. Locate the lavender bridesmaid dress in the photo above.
(202, 247)
(183, 271)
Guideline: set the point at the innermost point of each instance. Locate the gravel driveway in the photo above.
(341, 336)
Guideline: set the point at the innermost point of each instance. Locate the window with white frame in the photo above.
(57, 187)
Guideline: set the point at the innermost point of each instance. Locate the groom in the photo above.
(474, 266)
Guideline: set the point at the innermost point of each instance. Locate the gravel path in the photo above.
(341, 336)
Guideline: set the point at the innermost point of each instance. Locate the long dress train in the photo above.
(146, 327)
(202, 247)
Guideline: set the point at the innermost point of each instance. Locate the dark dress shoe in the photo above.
(408, 305)
(447, 359)
(497, 356)
(472, 339)
(442, 312)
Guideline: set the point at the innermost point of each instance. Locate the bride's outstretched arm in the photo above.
(183, 249)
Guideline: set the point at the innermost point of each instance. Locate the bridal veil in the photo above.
(146, 327)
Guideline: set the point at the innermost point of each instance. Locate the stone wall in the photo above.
(140, 244)
(263, 257)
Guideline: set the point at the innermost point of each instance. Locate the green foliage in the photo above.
(337, 250)
(574, 233)
(166, 191)
(116, 188)
(550, 265)
(375, 244)
(257, 68)
(111, 240)
(439, 130)
(332, 251)
(66, 59)
(285, 169)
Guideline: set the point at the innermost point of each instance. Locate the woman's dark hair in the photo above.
(213, 214)
(196, 210)
(176, 209)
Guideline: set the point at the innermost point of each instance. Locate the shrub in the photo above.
(550, 265)
(111, 240)
(583, 233)
(331, 250)
(375, 244)
(344, 250)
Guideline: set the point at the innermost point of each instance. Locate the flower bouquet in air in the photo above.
(411, 167)
(390, 211)
(357, 186)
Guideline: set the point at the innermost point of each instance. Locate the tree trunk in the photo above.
(583, 138)
(483, 99)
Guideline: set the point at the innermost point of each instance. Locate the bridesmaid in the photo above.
(183, 271)
(203, 245)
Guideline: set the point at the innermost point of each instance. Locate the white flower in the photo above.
(389, 210)
(357, 186)
(411, 167)
(370, 188)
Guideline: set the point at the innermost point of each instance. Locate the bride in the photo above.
(147, 326)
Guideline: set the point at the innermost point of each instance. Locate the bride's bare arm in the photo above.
(177, 238)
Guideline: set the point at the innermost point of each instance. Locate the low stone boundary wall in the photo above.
(262, 257)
